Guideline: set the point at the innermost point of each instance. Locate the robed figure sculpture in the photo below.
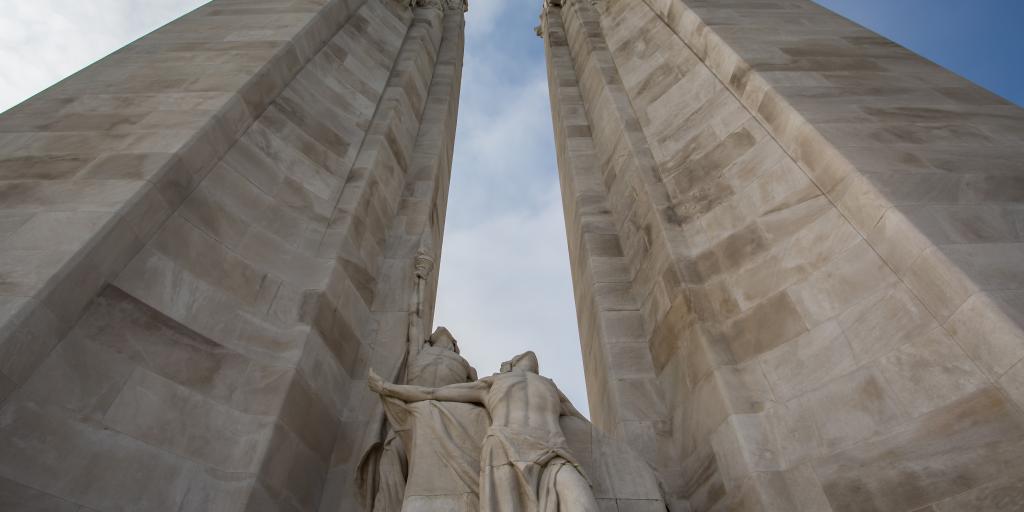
(413, 427)
(525, 461)
(510, 442)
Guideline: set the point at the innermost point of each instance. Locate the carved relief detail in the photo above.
(444, 5)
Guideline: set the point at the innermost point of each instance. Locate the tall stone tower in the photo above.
(797, 256)
(797, 252)
(206, 238)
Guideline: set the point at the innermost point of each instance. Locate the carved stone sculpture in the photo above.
(385, 468)
(423, 266)
(438, 362)
(525, 464)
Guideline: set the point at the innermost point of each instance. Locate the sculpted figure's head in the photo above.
(527, 362)
(442, 338)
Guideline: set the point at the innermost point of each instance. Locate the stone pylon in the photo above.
(207, 237)
(796, 253)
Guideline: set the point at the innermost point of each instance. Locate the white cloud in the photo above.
(482, 16)
(43, 41)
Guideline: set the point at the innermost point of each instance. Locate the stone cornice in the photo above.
(444, 5)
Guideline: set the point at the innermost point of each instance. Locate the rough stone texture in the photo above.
(207, 238)
(814, 234)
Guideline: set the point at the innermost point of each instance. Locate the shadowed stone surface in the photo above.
(203, 238)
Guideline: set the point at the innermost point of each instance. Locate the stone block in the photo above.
(621, 327)
(25, 272)
(966, 224)
(859, 200)
(168, 416)
(771, 323)
(848, 279)
(305, 414)
(939, 284)
(291, 472)
(80, 378)
(742, 446)
(629, 475)
(14, 496)
(102, 469)
(1002, 496)
(638, 398)
(884, 321)
(694, 419)
(816, 236)
(809, 361)
(630, 360)
(48, 167)
(146, 213)
(340, 492)
(211, 489)
(852, 408)
(82, 279)
(930, 372)
(614, 297)
(320, 369)
(340, 338)
(796, 432)
(740, 247)
(57, 231)
(988, 327)
(118, 323)
(702, 353)
(990, 266)
(744, 388)
(208, 260)
(247, 159)
(30, 333)
(7, 386)
(1012, 383)
(964, 445)
(281, 259)
(12, 220)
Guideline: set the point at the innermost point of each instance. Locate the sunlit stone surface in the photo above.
(796, 249)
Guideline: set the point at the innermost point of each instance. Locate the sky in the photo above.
(504, 274)
(981, 40)
(43, 41)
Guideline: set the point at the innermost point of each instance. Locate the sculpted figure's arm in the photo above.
(469, 392)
